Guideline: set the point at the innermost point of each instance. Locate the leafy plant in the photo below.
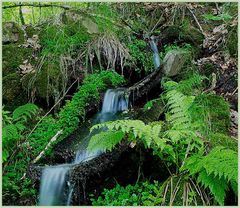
(15, 151)
(132, 195)
(140, 55)
(215, 171)
(189, 118)
(220, 17)
(12, 132)
(136, 130)
(73, 112)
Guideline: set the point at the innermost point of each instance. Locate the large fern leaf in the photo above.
(215, 170)
(217, 186)
(22, 113)
(105, 141)
(148, 134)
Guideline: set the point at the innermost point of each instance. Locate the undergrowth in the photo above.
(193, 118)
(20, 148)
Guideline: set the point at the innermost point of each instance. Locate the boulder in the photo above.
(13, 94)
(12, 33)
(80, 19)
(174, 61)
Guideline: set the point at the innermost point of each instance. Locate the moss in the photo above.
(208, 69)
(13, 56)
(193, 35)
(47, 82)
(12, 33)
(218, 139)
(31, 30)
(232, 42)
(187, 34)
(13, 94)
(218, 112)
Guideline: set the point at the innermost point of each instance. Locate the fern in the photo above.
(22, 113)
(178, 105)
(136, 129)
(12, 132)
(185, 86)
(217, 186)
(105, 141)
(215, 170)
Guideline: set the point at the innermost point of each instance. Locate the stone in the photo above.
(12, 33)
(90, 25)
(73, 17)
(174, 61)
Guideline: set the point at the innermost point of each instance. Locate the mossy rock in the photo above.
(13, 94)
(176, 33)
(218, 139)
(232, 42)
(175, 62)
(12, 33)
(72, 17)
(47, 81)
(13, 56)
(152, 110)
(30, 30)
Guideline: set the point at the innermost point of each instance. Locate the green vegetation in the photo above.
(143, 194)
(73, 112)
(140, 56)
(190, 117)
(178, 135)
(26, 147)
(16, 151)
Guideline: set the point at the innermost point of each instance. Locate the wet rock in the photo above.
(173, 62)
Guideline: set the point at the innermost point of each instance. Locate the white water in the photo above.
(54, 189)
(156, 58)
(114, 101)
(52, 185)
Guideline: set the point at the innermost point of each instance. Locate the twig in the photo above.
(196, 20)
(234, 91)
(214, 83)
(52, 108)
(36, 5)
(156, 24)
(48, 145)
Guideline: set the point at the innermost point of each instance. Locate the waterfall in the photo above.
(53, 182)
(53, 186)
(156, 58)
(114, 101)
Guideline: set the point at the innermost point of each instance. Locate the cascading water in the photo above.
(53, 183)
(156, 58)
(54, 189)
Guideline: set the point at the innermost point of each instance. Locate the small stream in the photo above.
(55, 189)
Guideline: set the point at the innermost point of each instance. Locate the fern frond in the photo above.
(10, 132)
(22, 113)
(105, 141)
(222, 162)
(148, 134)
(178, 105)
(217, 186)
(215, 170)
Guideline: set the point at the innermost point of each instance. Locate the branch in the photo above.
(52, 108)
(196, 20)
(37, 5)
(48, 145)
